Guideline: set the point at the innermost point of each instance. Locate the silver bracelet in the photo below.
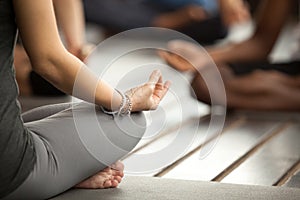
(117, 112)
(127, 107)
(124, 109)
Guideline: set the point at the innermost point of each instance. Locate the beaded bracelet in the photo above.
(124, 109)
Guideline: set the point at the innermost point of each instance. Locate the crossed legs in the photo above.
(258, 90)
(68, 155)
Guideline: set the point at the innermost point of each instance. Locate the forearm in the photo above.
(69, 74)
(270, 19)
(50, 59)
(70, 17)
(250, 50)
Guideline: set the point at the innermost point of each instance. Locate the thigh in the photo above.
(44, 111)
(75, 144)
(288, 68)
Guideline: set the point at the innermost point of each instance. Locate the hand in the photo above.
(185, 56)
(82, 52)
(86, 50)
(149, 95)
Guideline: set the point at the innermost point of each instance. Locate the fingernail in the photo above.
(167, 84)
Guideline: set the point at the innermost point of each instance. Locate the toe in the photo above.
(108, 184)
(118, 178)
(115, 183)
(118, 166)
(117, 173)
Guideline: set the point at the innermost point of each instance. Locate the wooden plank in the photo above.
(271, 162)
(201, 140)
(265, 115)
(195, 131)
(294, 181)
(232, 145)
(291, 178)
(170, 121)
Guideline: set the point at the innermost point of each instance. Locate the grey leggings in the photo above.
(70, 147)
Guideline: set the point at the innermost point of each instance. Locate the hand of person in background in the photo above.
(82, 52)
(71, 21)
(185, 56)
(149, 95)
(234, 11)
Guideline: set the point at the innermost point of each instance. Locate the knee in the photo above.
(200, 90)
(126, 132)
(107, 137)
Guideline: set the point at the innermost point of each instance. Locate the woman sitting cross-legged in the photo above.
(46, 151)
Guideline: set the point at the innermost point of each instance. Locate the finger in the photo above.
(185, 49)
(167, 85)
(159, 85)
(166, 88)
(162, 90)
(154, 77)
(160, 80)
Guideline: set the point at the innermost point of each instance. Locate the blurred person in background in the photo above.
(199, 19)
(251, 81)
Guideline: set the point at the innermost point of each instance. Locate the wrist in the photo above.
(130, 94)
(117, 100)
(121, 105)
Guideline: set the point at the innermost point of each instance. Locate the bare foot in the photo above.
(110, 177)
(185, 56)
(176, 61)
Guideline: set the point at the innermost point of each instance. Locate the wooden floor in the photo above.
(255, 148)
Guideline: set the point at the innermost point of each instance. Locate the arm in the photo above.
(49, 58)
(272, 17)
(234, 11)
(70, 18)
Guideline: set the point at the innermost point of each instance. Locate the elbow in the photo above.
(200, 90)
(44, 64)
